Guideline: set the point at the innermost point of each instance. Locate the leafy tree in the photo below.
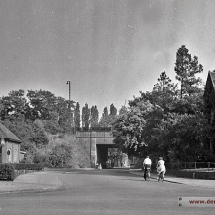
(42, 103)
(107, 119)
(13, 105)
(113, 110)
(186, 68)
(105, 112)
(77, 117)
(183, 136)
(164, 92)
(63, 112)
(59, 156)
(123, 110)
(85, 117)
(94, 117)
(128, 128)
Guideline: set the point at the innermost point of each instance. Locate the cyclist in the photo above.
(161, 169)
(146, 163)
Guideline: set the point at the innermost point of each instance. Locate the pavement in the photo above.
(210, 184)
(33, 182)
(50, 180)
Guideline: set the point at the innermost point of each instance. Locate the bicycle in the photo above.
(147, 174)
(161, 176)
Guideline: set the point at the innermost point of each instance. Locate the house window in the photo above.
(9, 156)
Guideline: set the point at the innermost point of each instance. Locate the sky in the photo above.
(109, 50)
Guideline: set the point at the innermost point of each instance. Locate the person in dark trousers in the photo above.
(146, 163)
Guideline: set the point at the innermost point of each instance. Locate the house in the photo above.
(9, 146)
(209, 104)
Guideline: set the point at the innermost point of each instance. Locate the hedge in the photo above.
(9, 171)
(27, 166)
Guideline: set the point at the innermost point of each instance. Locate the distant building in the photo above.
(209, 103)
(9, 146)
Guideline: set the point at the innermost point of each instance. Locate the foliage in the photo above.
(85, 117)
(113, 110)
(182, 136)
(128, 128)
(7, 172)
(94, 118)
(186, 68)
(77, 116)
(66, 151)
(166, 121)
(39, 121)
(171, 124)
(107, 119)
(27, 166)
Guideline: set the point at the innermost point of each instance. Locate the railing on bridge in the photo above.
(93, 134)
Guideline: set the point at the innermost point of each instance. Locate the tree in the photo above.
(164, 92)
(94, 117)
(13, 105)
(85, 117)
(186, 68)
(128, 128)
(77, 116)
(107, 119)
(42, 103)
(105, 112)
(123, 110)
(113, 110)
(183, 136)
(63, 112)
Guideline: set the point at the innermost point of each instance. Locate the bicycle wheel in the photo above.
(148, 176)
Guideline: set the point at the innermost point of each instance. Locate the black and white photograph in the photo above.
(107, 107)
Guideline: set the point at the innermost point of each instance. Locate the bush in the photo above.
(7, 172)
(27, 166)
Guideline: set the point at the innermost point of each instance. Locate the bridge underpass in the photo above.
(97, 145)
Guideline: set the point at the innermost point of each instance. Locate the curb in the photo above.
(46, 188)
(35, 190)
(166, 180)
(173, 182)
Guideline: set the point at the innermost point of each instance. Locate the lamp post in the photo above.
(68, 82)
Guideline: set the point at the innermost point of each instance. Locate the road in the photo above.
(101, 192)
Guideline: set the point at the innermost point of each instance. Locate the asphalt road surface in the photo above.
(101, 192)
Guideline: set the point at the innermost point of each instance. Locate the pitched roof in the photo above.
(7, 134)
(212, 75)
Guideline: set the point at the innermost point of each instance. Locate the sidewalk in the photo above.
(33, 182)
(210, 184)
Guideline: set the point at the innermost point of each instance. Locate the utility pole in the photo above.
(68, 82)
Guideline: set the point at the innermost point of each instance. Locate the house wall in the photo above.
(14, 149)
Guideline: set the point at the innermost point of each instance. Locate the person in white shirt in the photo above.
(161, 167)
(146, 163)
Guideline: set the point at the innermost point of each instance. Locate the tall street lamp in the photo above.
(68, 82)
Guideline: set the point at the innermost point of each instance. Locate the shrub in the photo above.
(27, 166)
(7, 172)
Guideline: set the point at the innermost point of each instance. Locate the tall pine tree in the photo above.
(77, 116)
(85, 117)
(94, 117)
(186, 68)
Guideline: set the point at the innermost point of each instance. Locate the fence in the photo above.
(191, 165)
